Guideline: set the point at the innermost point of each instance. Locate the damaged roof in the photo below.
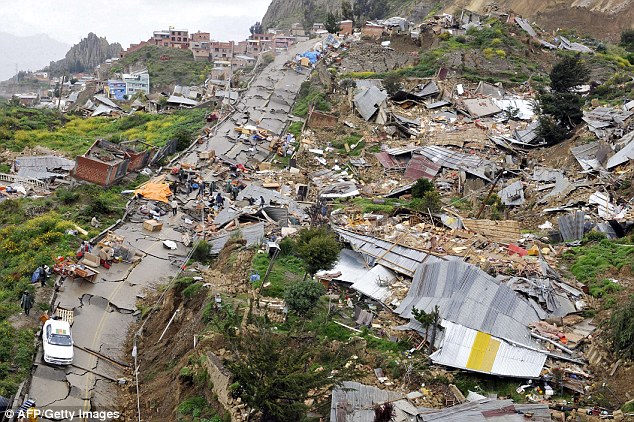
(253, 234)
(513, 194)
(354, 402)
(420, 167)
(484, 410)
(398, 258)
(477, 351)
(368, 101)
(468, 296)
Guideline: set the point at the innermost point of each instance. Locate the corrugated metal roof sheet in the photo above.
(420, 167)
(354, 402)
(624, 155)
(571, 226)
(400, 259)
(107, 101)
(486, 409)
(375, 283)
(271, 197)
(468, 296)
(44, 163)
(481, 107)
(513, 194)
(253, 234)
(455, 160)
(476, 351)
(369, 101)
(590, 156)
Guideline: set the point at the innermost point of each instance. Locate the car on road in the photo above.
(58, 342)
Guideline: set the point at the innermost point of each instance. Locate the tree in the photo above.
(276, 374)
(392, 83)
(421, 187)
(560, 109)
(427, 320)
(346, 11)
(627, 40)
(301, 297)
(318, 248)
(621, 326)
(568, 73)
(332, 23)
(256, 28)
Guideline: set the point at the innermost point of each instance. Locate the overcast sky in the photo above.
(129, 21)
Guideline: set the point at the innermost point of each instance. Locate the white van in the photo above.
(58, 342)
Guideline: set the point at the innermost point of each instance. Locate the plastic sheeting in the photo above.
(155, 191)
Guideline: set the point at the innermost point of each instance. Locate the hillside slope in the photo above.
(604, 19)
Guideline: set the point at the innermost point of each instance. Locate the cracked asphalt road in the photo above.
(105, 310)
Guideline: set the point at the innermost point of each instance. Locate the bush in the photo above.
(621, 327)
(66, 196)
(430, 202)
(318, 248)
(421, 187)
(192, 290)
(201, 253)
(301, 297)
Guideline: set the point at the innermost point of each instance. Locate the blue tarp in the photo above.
(312, 56)
(36, 275)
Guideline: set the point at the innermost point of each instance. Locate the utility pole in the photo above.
(495, 182)
(61, 88)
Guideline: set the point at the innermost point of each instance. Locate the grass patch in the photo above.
(296, 129)
(589, 263)
(73, 135)
(286, 270)
(310, 94)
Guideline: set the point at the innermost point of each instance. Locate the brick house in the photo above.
(179, 38)
(372, 30)
(345, 27)
(106, 163)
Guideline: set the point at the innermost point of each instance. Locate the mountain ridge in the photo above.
(84, 56)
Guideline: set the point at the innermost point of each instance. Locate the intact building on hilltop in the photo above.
(137, 82)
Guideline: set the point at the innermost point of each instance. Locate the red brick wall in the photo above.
(318, 119)
(92, 171)
(138, 160)
(372, 31)
(345, 28)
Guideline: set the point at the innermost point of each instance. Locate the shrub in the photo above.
(421, 187)
(201, 253)
(621, 327)
(301, 297)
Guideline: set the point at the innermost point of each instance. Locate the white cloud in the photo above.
(129, 21)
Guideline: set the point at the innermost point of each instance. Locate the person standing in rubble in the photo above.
(174, 205)
(26, 302)
(262, 202)
(220, 200)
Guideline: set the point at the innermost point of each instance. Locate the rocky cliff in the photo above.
(603, 19)
(86, 55)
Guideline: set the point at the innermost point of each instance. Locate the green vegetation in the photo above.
(16, 353)
(318, 248)
(469, 381)
(425, 198)
(301, 297)
(72, 135)
(560, 109)
(310, 94)
(276, 373)
(166, 66)
(296, 129)
(592, 262)
(197, 409)
(621, 326)
(34, 232)
(286, 269)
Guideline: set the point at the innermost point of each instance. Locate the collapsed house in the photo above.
(106, 163)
